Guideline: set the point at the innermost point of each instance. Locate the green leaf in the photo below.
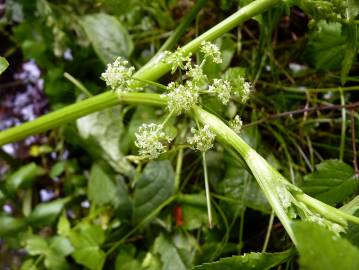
(105, 190)
(238, 184)
(54, 253)
(108, 36)
(46, 213)
(326, 46)
(320, 249)
(250, 261)
(58, 168)
(61, 245)
(105, 128)
(10, 225)
(23, 177)
(332, 182)
(350, 51)
(36, 245)
(63, 226)
(86, 242)
(125, 259)
(28, 265)
(155, 185)
(194, 210)
(55, 261)
(101, 188)
(3, 64)
(171, 257)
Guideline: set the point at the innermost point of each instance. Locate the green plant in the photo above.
(167, 136)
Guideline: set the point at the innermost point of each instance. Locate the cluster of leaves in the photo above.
(86, 200)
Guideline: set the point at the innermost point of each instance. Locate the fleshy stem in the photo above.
(149, 73)
(265, 175)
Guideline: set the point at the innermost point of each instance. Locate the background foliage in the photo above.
(78, 198)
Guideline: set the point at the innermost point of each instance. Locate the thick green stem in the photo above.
(245, 13)
(75, 111)
(176, 35)
(265, 175)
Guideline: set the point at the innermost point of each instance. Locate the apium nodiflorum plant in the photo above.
(184, 97)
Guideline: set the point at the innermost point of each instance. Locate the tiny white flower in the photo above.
(151, 139)
(202, 139)
(118, 75)
(222, 89)
(195, 73)
(212, 51)
(176, 59)
(181, 98)
(243, 89)
(236, 124)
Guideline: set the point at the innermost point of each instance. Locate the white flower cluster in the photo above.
(176, 59)
(202, 139)
(212, 51)
(222, 89)
(236, 124)
(151, 139)
(118, 75)
(181, 98)
(244, 89)
(195, 73)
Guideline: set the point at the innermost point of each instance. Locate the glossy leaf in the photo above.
(171, 257)
(101, 188)
(125, 259)
(250, 261)
(86, 242)
(154, 186)
(108, 36)
(105, 129)
(326, 47)
(10, 225)
(46, 213)
(320, 249)
(36, 245)
(332, 182)
(23, 177)
(54, 252)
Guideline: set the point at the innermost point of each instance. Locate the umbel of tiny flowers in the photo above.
(202, 139)
(176, 59)
(243, 89)
(118, 75)
(222, 89)
(236, 124)
(210, 50)
(195, 73)
(181, 98)
(151, 140)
